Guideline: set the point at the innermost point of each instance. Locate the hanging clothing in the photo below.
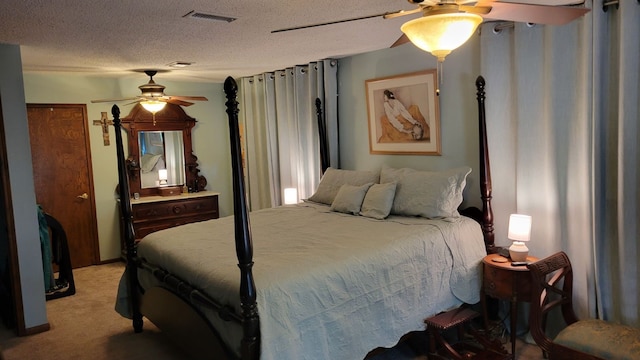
(45, 247)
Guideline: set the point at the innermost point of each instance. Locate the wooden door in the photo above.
(62, 174)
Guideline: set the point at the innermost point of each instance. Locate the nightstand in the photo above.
(501, 280)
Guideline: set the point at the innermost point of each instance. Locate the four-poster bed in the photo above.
(327, 284)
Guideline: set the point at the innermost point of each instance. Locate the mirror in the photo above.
(160, 154)
(161, 150)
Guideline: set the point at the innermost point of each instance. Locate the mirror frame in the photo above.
(171, 118)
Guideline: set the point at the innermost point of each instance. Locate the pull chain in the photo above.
(439, 72)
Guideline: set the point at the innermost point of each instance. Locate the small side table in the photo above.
(502, 281)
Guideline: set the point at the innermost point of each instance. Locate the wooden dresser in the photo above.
(153, 213)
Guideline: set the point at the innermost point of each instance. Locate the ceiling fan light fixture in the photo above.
(440, 34)
(153, 106)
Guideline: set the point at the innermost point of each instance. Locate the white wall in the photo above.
(210, 136)
(458, 109)
(23, 198)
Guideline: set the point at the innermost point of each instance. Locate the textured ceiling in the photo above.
(115, 38)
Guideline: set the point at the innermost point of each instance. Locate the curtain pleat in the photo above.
(562, 121)
(282, 141)
(617, 161)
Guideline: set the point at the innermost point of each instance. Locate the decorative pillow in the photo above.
(333, 179)
(378, 201)
(349, 198)
(430, 194)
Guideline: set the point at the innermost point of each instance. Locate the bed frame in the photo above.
(183, 322)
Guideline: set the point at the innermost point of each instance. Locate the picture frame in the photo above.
(411, 101)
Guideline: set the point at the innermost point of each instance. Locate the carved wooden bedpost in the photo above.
(485, 172)
(251, 324)
(127, 217)
(322, 131)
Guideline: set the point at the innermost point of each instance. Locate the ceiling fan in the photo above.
(444, 19)
(153, 97)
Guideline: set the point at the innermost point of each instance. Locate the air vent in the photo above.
(205, 16)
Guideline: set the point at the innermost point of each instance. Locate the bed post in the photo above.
(322, 132)
(250, 322)
(127, 217)
(485, 172)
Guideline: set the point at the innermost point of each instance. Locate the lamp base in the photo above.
(518, 251)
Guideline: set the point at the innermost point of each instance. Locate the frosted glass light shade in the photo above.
(290, 196)
(153, 106)
(442, 33)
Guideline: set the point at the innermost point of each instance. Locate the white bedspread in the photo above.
(329, 285)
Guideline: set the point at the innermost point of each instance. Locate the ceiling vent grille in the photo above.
(205, 16)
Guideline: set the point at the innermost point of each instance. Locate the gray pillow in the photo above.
(333, 179)
(430, 194)
(378, 201)
(349, 198)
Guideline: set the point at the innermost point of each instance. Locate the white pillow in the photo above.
(378, 201)
(349, 198)
(333, 179)
(430, 194)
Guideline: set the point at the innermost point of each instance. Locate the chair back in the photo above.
(552, 287)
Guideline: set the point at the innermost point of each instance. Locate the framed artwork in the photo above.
(404, 116)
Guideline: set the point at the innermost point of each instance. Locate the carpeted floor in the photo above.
(86, 326)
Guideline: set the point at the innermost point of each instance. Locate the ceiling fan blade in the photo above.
(537, 14)
(480, 10)
(334, 22)
(179, 102)
(113, 100)
(401, 40)
(193, 98)
(396, 14)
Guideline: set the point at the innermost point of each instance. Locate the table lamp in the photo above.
(162, 176)
(519, 232)
(290, 196)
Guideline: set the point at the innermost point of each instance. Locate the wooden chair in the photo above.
(552, 288)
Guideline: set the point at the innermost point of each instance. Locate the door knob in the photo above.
(83, 196)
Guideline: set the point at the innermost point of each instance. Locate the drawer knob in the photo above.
(177, 209)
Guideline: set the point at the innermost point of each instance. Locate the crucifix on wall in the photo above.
(104, 122)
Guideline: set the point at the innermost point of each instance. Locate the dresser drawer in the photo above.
(158, 213)
(169, 209)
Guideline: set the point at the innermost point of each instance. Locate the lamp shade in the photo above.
(290, 196)
(162, 176)
(519, 227)
(153, 106)
(440, 34)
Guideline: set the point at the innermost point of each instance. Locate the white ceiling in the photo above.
(114, 38)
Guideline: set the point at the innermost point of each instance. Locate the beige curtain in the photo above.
(282, 141)
(562, 113)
